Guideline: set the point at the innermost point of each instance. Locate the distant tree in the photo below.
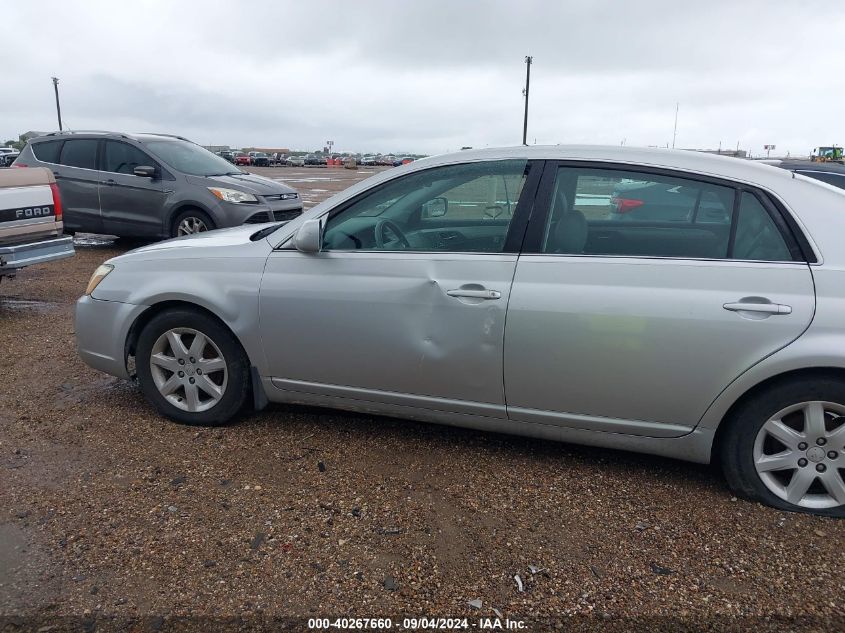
(18, 145)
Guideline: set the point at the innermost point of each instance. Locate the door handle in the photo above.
(475, 294)
(110, 182)
(765, 308)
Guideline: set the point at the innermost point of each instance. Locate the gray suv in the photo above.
(153, 185)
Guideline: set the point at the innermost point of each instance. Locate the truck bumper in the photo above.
(15, 257)
(102, 328)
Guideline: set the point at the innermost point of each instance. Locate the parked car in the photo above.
(369, 161)
(260, 159)
(831, 173)
(694, 341)
(278, 158)
(295, 161)
(311, 159)
(8, 156)
(153, 185)
(535, 321)
(666, 201)
(30, 220)
(242, 159)
(229, 156)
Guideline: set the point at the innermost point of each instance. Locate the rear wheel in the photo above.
(191, 368)
(786, 447)
(191, 221)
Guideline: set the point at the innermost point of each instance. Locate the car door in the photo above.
(78, 180)
(406, 301)
(636, 327)
(131, 205)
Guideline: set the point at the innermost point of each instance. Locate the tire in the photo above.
(169, 393)
(191, 218)
(789, 440)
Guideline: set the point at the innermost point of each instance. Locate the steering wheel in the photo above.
(385, 225)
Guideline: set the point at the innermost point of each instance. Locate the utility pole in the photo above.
(58, 107)
(675, 132)
(528, 60)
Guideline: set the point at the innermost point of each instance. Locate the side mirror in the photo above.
(309, 237)
(144, 171)
(435, 208)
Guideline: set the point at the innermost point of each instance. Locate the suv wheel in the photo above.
(190, 222)
(786, 447)
(191, 368)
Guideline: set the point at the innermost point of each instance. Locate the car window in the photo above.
(757, 236)
(189, 158)
(122, 158)
(457, 208)
(47, 152)
(626, 213)
(80, 152)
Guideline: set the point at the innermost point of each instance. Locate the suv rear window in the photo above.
(80, 153)
(47, 152)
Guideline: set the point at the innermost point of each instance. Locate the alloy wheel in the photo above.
(191, 225)
(799, 454)
(188, 369)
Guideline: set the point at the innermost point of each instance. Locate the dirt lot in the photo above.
(112, 513)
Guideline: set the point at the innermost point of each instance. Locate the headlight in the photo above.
(98, 276)
(232, 195)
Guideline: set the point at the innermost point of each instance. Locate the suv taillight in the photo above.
(57, 200)
(625, 205)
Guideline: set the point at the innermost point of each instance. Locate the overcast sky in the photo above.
(430, 76)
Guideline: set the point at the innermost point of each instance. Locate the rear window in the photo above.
(80, 153)
(47, 152)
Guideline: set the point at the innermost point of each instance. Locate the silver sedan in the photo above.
(502, 290)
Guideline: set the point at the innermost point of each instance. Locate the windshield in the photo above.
(189, 158)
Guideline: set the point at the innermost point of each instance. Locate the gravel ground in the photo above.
(116, 516)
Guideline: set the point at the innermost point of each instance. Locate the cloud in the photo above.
(428, 77)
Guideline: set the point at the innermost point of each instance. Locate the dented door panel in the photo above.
(425, 324)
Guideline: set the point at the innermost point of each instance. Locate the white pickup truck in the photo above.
(30, 220)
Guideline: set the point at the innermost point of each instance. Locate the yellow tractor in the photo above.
(832, 154)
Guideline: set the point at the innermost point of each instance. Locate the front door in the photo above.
(636, 325)
(131, 205)
(406, 302)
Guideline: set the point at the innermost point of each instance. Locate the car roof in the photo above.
(142, 136)
(677, 159)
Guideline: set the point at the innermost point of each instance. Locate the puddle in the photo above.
(88, 239)
(315, 179)
(14, 305)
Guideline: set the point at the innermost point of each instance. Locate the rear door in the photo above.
(636, 327)
(131, 205)
(78, 179)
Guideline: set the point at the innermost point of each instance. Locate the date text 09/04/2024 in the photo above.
(415, 624)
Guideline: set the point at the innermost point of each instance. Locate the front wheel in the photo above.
(191, 221)
(785, 447)
(191, 368)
